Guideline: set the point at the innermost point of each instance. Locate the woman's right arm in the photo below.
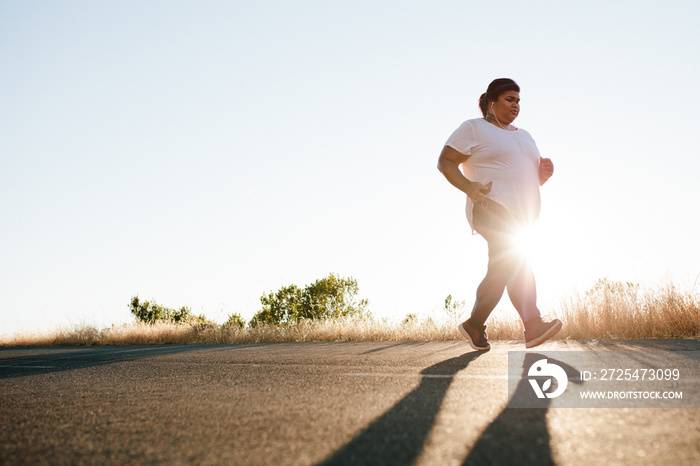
(448, 163)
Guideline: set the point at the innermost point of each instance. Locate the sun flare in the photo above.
(527, 242)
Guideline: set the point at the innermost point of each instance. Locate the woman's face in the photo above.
(507, 107)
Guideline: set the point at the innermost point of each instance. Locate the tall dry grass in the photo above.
(610, 310)
(626, 311)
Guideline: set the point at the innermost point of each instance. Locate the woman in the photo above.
(502, 175)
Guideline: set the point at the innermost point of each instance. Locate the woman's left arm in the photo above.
(546, 170)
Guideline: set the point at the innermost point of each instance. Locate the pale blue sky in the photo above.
(204, 153)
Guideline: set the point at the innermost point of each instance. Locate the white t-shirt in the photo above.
(509, 159)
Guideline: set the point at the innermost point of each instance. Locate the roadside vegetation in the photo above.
(330, 310)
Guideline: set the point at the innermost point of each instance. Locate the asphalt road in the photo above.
(315, 403)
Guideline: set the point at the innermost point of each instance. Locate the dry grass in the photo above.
(625, 311)
(609, 310)
(164, 333)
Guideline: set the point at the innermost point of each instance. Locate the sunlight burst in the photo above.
(527, 242)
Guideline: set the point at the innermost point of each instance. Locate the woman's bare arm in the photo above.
(448, 163)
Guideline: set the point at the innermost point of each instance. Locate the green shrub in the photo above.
(152, 312)
(327, 298)
(454, 309)
(235, 320)
(410, 319)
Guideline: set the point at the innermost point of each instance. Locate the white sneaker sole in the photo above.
(464, 333)
(545, 336)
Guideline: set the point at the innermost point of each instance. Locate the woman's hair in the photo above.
(494, 91)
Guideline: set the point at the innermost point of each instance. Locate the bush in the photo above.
(454, 309)
(410, 320)
(327, 298)
(235, 320)
(152, 312)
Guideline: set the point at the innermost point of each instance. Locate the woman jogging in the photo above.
(502, 174)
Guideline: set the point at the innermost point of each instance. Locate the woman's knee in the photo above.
(496, 279)
(503, 260)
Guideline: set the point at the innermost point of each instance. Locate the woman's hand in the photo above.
(546, 170)
(448, 164)
(477, 192)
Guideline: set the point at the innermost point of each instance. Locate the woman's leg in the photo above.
(489, 293)
(488, 222)
(522, 290)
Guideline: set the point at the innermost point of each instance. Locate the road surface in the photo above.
(433, 403)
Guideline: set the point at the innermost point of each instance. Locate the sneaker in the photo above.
(538, 331)
(476, 336)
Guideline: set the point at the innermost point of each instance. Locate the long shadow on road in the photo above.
(397, 437)
(15, 362)
(516, 435)
(519, 435)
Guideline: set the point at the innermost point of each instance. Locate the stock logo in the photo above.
(544, 369)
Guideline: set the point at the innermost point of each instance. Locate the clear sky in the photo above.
(203, 153)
